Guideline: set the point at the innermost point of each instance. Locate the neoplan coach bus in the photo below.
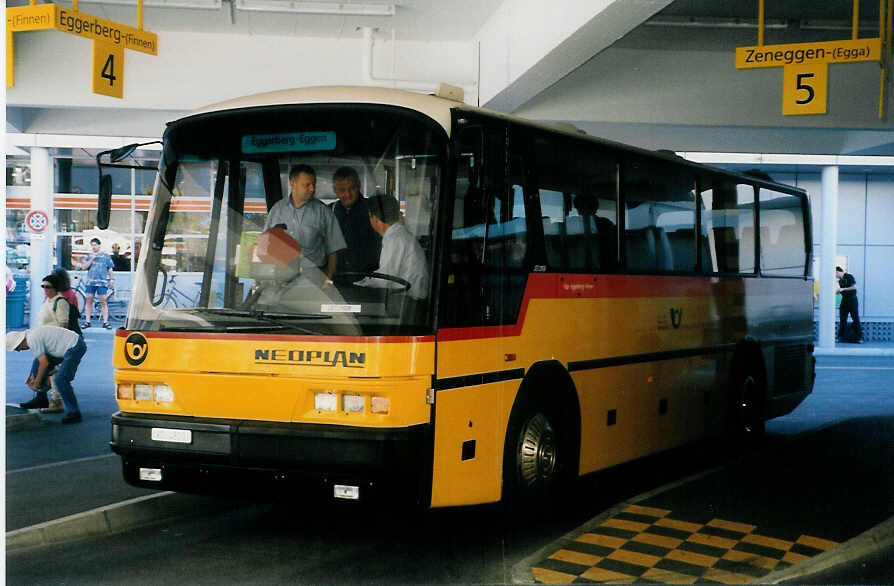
(589, 303)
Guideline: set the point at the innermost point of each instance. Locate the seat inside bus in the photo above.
(648, 249)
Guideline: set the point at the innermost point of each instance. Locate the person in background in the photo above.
(64, 281)
(55, 311)
(10, 280)
(52, 346)
(847, 287)
(100, 277)
(120, 262)
(352, 213)
(309, 221)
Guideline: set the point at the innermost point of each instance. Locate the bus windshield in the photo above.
(220, 175)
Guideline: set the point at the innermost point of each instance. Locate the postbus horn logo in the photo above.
(676, 317)
(136, 347)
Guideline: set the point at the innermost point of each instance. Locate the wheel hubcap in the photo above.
(537, 451)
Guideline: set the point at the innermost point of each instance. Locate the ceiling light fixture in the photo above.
(334, 8)
(706, 22)
(196, 4)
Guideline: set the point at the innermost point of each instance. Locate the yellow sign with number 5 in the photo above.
(108, 69)
(805, 89)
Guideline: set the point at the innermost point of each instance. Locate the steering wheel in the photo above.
(354, 275)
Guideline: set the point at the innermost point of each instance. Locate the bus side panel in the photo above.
(634, 410)
(470, 424)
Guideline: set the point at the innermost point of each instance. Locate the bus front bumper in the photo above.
(270, 460)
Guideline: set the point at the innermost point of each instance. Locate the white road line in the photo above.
(63, 463)
(855, 367)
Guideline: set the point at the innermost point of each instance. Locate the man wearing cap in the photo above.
(52, 346)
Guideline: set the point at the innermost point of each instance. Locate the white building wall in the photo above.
(865, 234)
(879, 298)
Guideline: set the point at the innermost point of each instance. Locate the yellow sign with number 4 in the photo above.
(108, 69)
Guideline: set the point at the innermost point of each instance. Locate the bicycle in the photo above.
(174, 297)
(80, 294)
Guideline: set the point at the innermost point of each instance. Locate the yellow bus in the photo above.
(587, 304)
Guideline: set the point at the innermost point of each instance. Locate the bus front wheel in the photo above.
(533, 461)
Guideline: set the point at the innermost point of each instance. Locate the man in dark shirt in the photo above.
(120, 262)
(352, 212)
(847, 287)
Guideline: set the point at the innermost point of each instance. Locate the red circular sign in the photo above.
(37, 221)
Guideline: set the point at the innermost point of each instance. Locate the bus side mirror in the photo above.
(104, 202)
(104, 199)
(121, 153)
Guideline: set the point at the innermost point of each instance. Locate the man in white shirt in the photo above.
(52, 346)
(401, 255)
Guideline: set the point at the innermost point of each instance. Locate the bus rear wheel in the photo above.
(747, 423)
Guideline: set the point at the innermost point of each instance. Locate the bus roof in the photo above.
(438, 109)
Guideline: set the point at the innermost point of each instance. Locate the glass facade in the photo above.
(75, 181)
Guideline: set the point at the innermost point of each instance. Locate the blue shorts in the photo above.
(95, 289)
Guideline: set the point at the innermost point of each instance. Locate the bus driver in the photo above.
(309, 222)
(401, 254)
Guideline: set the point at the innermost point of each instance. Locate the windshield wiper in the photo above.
(265, 327)
(259, 314)
(280, 321)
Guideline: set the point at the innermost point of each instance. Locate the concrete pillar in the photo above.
(828, 243)
(41, 249)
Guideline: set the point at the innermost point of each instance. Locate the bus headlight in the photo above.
(142, 392)
(380, 404)
(125, 391)
(325, 401)
(164, 394)
(353, 403)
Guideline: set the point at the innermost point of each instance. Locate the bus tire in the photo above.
(747, 418)
(538, 458)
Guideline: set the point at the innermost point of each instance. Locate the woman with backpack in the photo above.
(64, 282)
(55, 311)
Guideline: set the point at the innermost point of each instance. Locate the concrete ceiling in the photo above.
(420, 20)
(657, 73)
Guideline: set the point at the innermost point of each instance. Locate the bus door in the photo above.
(484, 278)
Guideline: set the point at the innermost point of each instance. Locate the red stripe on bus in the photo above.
(575, 286)
(122, 333)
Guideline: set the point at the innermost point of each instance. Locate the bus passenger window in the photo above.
(577, 184)
(728, 227)
(782, 243)
(463, 294)
(660, 201)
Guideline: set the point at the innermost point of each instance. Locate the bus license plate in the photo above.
(347, 492)
(150, 474)
(177, 436)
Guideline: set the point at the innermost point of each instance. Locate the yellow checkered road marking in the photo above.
(646, 544)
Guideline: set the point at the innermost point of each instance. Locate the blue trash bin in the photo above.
(15, 304)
